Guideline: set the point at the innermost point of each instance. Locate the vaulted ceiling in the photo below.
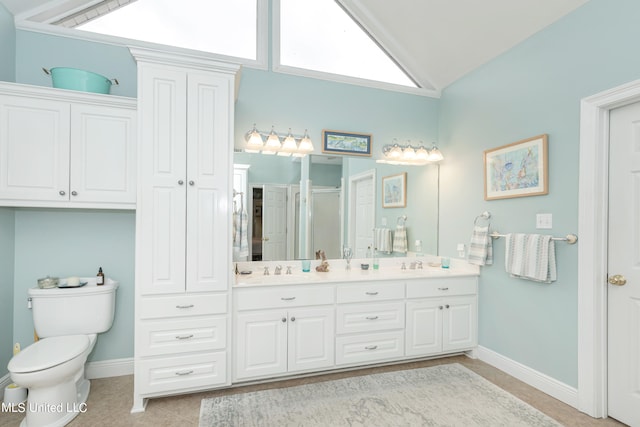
(436, 41)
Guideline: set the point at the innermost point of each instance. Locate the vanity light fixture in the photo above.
(408, 154)
(292, 145)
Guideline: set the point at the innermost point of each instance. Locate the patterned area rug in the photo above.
(445, 395)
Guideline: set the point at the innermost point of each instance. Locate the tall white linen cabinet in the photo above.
(183, 222)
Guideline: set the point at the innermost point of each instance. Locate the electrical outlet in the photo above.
(544, 221)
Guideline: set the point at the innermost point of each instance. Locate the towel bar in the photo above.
(569, 238)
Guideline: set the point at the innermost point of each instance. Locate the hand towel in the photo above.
(400, 239)
(531, 257)
(382, 240)
(240, 236)
(480, 247)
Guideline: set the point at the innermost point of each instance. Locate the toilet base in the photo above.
(41, 413)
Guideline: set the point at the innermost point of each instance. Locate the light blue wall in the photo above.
(7, 46)
(7, 239)
(37, 50)
(533, 89)
(62, 243)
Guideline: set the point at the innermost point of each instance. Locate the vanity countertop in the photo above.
(389, 270)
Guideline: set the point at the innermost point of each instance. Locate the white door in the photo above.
(311, 339)
(34, 149)
(424, 327)
(207, 181)
(624, 261)
(261, 344)
(274, 223)
(459, 323)
(362, 213)
(103, 154)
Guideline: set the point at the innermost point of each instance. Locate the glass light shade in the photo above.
(395, 152)
(435, 155)
(254, 139)
(306, 146)
(408, 153)
(289, 145)
(273, 142)
(422, 154)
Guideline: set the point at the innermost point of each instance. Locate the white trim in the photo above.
(277, 67)
(592, 257)
(109, 368)
(542, 382)
(4, 382)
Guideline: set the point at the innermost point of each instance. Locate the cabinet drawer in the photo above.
(159, 337)
(442, 287)
(283, 296)
(182, 305)
(370, 292)
(370, 317)
(369, 347)
(176, 373)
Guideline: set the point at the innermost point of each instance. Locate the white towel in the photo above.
(240, 237)
(382, 240)
(480, 247)
(531, 257)
(400, 239)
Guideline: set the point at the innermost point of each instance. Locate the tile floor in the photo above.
(111, 399)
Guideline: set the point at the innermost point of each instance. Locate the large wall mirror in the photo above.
(287, 208)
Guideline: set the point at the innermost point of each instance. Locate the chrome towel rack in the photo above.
(569, 238)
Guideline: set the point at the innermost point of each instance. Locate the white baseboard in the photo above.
(542, 382)
(109, 368)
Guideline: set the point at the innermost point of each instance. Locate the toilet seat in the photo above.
(48, 352)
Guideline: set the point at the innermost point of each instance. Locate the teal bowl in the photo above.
(75, 79)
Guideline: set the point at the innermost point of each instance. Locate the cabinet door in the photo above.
(34, 149)
(103, 154)
(424, 327)
(208, 181)
(160, 260)
(459, 325)
(311, 339)
(261, 344)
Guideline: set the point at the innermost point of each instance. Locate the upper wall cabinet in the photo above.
(66, 149)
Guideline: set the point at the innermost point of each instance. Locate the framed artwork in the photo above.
(356, 144)
(394, 191)
(516, 170)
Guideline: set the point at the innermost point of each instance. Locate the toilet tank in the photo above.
(88, 309)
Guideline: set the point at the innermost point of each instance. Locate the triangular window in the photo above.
(319, 35)
(223, 27)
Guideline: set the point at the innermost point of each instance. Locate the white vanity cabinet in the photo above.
(66, 149)
(370, 321)
(183, 218)
(441, 316)
(282, 330)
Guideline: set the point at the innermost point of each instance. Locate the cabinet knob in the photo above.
(440, 307)
(446, 306)
(62, 192)
(74, 193)
(293, 318)
(191, 182)
(284, 320)
(180, 182)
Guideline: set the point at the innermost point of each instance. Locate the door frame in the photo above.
(593, 231)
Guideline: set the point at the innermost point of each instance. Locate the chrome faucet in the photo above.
(278, 270)
(419, 264)
(266, 270)
(288, 269)
(403, 267)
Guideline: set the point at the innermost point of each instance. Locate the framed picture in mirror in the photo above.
(394, 191)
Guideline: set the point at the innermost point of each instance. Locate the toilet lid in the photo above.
(48, 352)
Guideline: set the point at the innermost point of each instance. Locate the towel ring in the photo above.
(484, 215)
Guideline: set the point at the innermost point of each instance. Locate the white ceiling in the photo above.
(436, 41)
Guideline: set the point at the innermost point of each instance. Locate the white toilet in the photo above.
(52, 369)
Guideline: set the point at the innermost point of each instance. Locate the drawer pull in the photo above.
(184, 337)
(443, 289)
(288, 298)
(183, 373)
(371, 347)
(372, 317)
(371, 293)
(184, 306)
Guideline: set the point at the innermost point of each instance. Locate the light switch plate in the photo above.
(544, 220)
